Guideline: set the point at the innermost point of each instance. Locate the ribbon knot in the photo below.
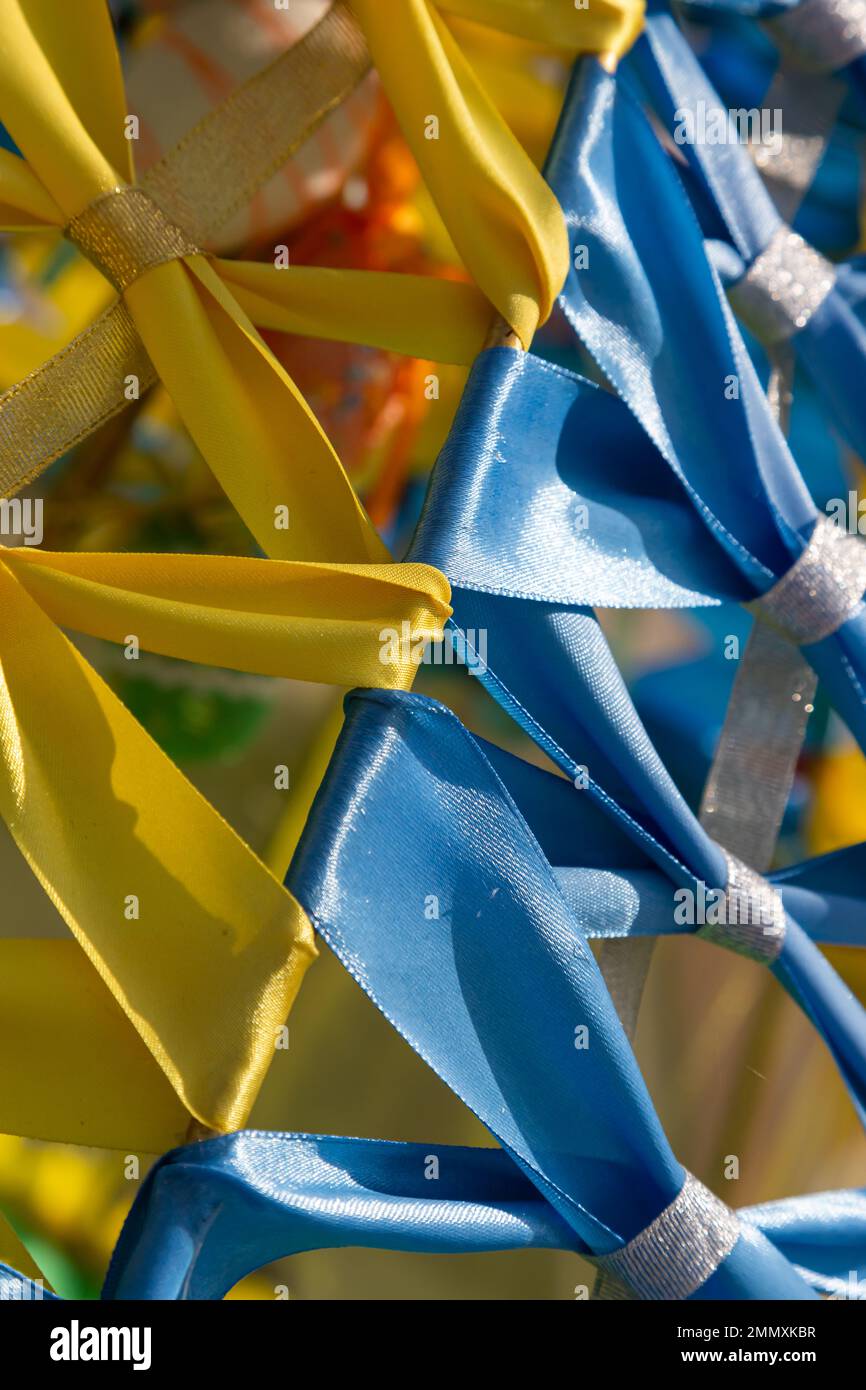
(822, 589)
(783, 287)
(754, 918)
(125, 233)
(673, 1256)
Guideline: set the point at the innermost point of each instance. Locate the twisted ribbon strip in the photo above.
(178, 1016)
(61, 98)
(784, 288)
(787, 292)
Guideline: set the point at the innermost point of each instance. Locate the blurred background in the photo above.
(733, 1067)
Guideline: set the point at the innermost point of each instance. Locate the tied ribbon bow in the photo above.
(784, 291)
(495, 992)
(646, 326)
(557, 502)
(188, 319)
(172, 1014)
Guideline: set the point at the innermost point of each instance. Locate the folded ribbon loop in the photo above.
(125, 233)
(678, 1251)
(783, 287)
(822, 589)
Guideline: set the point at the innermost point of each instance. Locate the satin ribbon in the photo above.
(208, 1215)
(495, 987)
(830, 342)
(551, 499)
(211, 1213)
(172, 1011)
(812, 165)
(727, 453)
(238, 402)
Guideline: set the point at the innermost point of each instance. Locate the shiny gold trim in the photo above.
(125, 233)
(70, 396)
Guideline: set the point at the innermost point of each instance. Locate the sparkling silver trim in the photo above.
(822, 589)
(678, 1251)
(783, 287)
(754, 924)
(822, 35)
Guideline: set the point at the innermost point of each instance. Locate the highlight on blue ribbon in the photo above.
(210, 1213)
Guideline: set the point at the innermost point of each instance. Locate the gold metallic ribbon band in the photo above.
(236, 148)
(125, 233)
(198, 185)
(57, 406)
(783, 287)
(676, 1253)
(750, 779)
(821, 590)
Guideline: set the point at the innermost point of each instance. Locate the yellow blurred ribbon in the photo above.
(207, 966)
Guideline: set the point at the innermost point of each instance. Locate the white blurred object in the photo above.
(186, 62)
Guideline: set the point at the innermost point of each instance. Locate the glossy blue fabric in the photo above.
(648, 317)
(854, 72)
(210, 1213)
(464, 987)
(551, 497)
(533, 445)
(213, 1212)
(741, 60)
(832, 345)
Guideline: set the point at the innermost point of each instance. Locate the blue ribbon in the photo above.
(501, 522)
(210, 1213)
(832, 345)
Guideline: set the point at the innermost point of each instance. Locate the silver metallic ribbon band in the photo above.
(749, 782)
(821, 590)
(754, 918)
(783, 287)
(822, 35)
(677, 1252)
(810, 104)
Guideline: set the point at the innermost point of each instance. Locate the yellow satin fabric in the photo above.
(61, 97)
(208, 970)
(502, 217)
(417, 315)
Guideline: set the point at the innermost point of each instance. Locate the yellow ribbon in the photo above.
(207, 965)
(502, 217)
(61, 98)
(207, 969)
(504, 220)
